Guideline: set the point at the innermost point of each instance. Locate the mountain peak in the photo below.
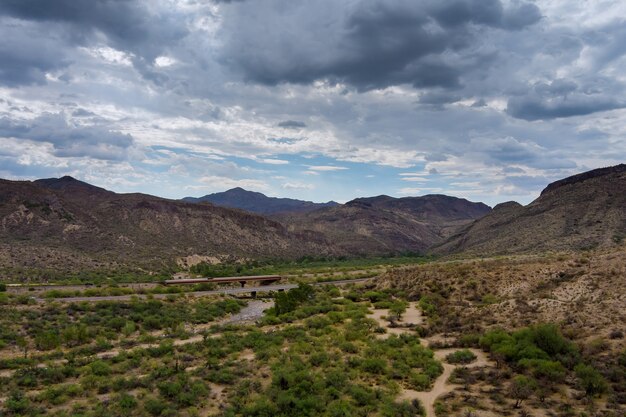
(579, 212)
(256, 202)
(66, 182)
(578, 178)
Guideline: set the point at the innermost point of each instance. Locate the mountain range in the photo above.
(65, 225)
(258, 203)
(385, 224)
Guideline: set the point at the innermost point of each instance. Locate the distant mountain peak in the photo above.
(257, 202)
(66, 182)
(507, 205)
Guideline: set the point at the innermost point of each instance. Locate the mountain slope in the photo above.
(55, 223)
(579, 212)
(384, 224)
(258, 202)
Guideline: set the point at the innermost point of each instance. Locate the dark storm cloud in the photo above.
(563, 98)
(369, 44)
(27, 53)
(534, 108)
(38, 35)
(69, 141)
(292, 124)
(128, 24)
(520, 16)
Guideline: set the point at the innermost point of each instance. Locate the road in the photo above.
(225, 291)
(34, 289)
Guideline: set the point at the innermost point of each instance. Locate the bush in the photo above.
(3, 287)
(127, 402)
(154, 406)
(463, 356)
(374, 365)
(288, 301)
(17, 403)
(100, 368)
(591, 380)
(47, 340)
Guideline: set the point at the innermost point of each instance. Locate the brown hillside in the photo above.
(580, 212)
(384, 224)
(67, 224)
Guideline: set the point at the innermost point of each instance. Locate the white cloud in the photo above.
(419, 190)
(326, 168)
(297, 186)
(218, 183)
(164, 61)
(274, 161)
(415, 179)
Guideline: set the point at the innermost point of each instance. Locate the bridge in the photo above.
(224, 291)
(263, 280)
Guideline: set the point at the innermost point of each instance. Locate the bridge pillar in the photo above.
(243, 283)
(253, 294)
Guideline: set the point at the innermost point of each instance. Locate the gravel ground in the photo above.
(251, 312)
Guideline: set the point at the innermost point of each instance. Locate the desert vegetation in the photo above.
(496, 337)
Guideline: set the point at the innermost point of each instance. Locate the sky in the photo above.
(488, 100)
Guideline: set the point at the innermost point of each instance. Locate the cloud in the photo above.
(326, 168)
(537, 108)
(274, 161)
(367, 44)
(297, 186)
(27, 54)
(419, 190)
(414, 179)
(165, 92)
(128, 24)
(218, 183)
(69, 141)
(292, 124)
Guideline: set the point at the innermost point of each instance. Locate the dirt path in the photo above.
(441, 385)
(413, 316)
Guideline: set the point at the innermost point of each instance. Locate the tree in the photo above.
(397, 309)
(521, 389)
(285, 302)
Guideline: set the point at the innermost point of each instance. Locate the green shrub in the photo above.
(154, 406)
(591, 380)
(100, 368)
(420, 382)
(374, 365)
(126, 402)
(17, 403)
(463, 356)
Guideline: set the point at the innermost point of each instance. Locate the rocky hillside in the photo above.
(580, 212)
(384, 224)
(65, 224)
(258, 202)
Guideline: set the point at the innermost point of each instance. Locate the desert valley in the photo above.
(290, 208)
(431, 305)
